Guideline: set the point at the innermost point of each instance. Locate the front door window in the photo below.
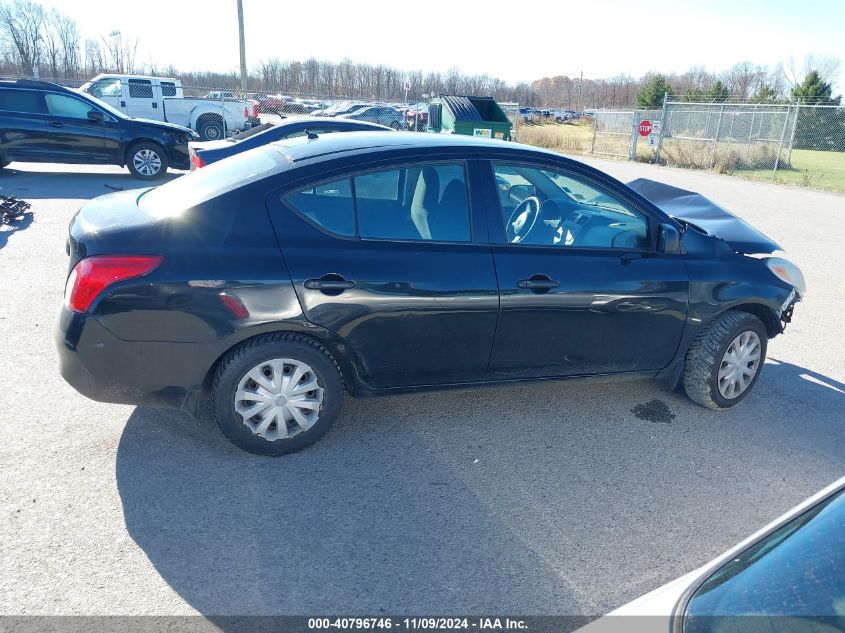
(552, 208)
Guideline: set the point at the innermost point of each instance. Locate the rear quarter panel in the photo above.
(222, 273)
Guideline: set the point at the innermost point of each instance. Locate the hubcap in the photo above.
(279, 398)
(147, 162)
(739, 365)
(212, 133)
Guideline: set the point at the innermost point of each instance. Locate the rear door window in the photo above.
(28, 101)
(418, 202)
(328, 205)
(140, 89)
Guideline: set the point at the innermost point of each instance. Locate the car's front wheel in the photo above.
(724, 362)
(277, 394)
(147, 161)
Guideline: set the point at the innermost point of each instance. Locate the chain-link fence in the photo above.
(617, 132)
(790, 143)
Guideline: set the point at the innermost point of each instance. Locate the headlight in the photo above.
(786, 271)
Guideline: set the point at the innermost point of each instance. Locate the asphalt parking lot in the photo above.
(555, 498)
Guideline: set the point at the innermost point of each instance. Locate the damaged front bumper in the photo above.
(787, 308)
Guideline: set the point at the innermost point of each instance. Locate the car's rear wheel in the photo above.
(277, 394)
(147, 161)
(396, 125)
(210, 128)
(725, 360)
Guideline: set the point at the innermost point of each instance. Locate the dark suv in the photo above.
(42, 122)
(377, 262)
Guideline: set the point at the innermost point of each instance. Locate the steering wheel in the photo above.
(523, 219)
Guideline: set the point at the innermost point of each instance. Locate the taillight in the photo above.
(246, 112)
(255, 110)
(196, 160)
(92, 275)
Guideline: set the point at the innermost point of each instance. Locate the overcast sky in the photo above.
(517, 41)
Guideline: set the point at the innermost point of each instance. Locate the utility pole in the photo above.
(580, 83)
(243, 44)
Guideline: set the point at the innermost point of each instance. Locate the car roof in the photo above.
(144, 77)
(302, 149)
(14, 82)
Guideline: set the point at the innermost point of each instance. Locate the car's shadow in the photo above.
(38, 183)
(537, 499)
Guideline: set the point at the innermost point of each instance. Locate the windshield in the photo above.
(209, 182)
(795, 571)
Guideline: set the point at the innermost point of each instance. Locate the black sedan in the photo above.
(377, 263)
(42, 122)
(205, 153)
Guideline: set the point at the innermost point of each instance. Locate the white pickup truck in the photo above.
(162, 99)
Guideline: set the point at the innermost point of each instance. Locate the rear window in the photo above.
(209, 182)
(140, 89)
(21, 101)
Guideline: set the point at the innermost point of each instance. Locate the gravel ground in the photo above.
(561, 498)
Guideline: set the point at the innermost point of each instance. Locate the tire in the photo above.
(396, 125)
(147, 161)
(210, 128)
(283, 350)
(707, 356)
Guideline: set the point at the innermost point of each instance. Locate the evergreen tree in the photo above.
(764, 94)
(814, 91)
(818, 128)
(718, 92)
(650, 95)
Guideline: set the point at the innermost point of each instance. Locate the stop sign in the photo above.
(645, 128)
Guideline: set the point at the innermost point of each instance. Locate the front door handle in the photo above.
(331, 283)
(538, 283)
(56, 124)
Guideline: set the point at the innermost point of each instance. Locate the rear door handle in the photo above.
(56, 124)
(538, 283)
(329, 283)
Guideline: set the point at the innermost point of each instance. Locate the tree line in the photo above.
(35, 41)
(812, 84)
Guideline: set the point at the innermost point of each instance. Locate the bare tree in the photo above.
(826, 66)
(743, 78)
(69, 39)
(21, 22)
(94, 58)
(52, 42)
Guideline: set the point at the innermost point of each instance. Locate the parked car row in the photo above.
(532, 115)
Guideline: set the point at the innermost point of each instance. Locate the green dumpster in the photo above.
(474, 116)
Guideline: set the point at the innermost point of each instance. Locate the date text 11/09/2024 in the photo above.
(430, 624)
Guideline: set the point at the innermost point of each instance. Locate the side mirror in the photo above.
(96, 115)
(669, 240)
